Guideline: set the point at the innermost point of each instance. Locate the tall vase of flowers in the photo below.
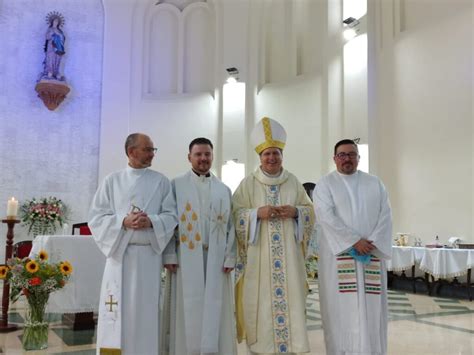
(43, 216)
(35, 332)
(35, 279)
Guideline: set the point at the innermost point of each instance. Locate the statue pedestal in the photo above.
(52, 92)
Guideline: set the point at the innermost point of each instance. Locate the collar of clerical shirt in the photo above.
(350, 176)
(201, 177)
(136, 171)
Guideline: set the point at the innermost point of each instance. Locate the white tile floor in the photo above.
(418, 325)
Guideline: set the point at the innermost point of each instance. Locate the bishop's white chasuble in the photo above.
(271, 283)
(200, 311)
(353, 295)
(129, 300)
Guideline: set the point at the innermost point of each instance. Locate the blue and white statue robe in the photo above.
(198, 306)
(353, 295)
(271, 283)
(129, 301)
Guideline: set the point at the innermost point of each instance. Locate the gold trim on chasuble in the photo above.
(241, 232)
(189, 236)
(346, 274)
(278, 282)
(220, 219)
(269, 142)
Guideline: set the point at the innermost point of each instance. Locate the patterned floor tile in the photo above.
(78, 337)
(408, 312)
(81, 352)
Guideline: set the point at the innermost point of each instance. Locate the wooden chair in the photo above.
(309, 187)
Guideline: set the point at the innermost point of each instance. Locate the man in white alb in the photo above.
(132, 218)
(199, 316)
(354, 216)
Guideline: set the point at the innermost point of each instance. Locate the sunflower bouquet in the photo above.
(35, 278)
(43, 216)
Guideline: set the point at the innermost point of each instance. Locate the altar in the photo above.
(81, 293)
(437, 264)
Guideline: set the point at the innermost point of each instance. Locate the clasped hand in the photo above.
(364, 246)
(268, 212)
(137, 220)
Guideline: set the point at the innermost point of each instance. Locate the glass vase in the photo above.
(35, 332)
(35, 336)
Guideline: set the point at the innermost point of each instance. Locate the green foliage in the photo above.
(43, 216)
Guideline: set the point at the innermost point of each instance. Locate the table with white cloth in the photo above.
(436, 263)
(81, 293)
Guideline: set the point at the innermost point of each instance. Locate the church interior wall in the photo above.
(171, 114)
(421, 136)
(49, 153)
(426, 131)
(288, 84)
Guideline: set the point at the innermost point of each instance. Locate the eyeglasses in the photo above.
(351, 155)
(150, 150)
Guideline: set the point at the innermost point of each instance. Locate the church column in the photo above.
(116, 84)
(333, 110)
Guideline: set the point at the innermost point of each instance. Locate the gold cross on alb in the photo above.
(111, 303)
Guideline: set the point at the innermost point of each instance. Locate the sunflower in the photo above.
(65, 267)
(31, 266)
(3, 271)
(43, 255)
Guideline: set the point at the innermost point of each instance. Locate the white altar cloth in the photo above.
(446, 263)
(403, 258)
(81, 293)
(439, 262)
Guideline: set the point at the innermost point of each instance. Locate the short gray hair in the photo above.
(131, 141)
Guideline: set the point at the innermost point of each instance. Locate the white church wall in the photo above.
(171, 117)
(235, 54)
(287, 65)
(425, 137)
(49, 153)
(355, 123)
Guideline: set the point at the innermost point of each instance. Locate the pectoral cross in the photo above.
(136, 208)
(111, 303)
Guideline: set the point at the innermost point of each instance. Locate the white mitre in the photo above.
(268, 133)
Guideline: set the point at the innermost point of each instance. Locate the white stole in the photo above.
(202, 298)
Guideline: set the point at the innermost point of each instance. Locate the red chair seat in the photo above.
(22, 249)
(85, 230)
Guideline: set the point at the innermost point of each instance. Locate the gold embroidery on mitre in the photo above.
(191, 245)
(197, 237)
(190, 227)
(183, 218)
(184, 239)
(194, 217)
(269, 144)
(267, 129)
(188, 207)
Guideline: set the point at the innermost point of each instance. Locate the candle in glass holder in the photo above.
(12, 208)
